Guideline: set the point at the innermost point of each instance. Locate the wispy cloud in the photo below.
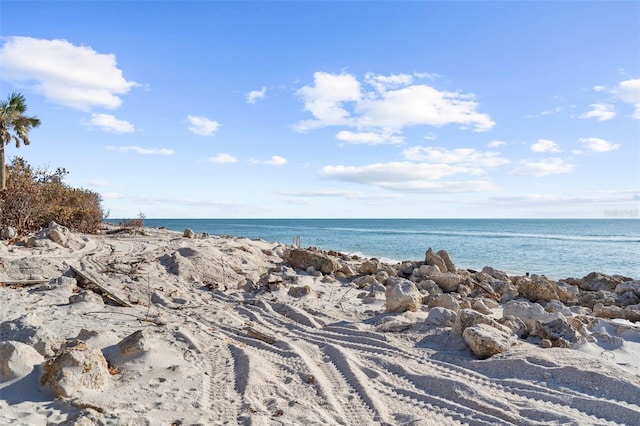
(202, 126)
(496, 144)
(545, 145)
(550, 166)
(109, 123)
(601, 112)
(597, 145)
(454, 156)
(64, 73)
(368, 138)
(99, 183)
(385, 105)
(254, 95)
(332, 193)
(275, 160)
(140, 150)
(410, 177)
(222, 159)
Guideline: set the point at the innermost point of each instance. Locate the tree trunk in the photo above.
(3, 171)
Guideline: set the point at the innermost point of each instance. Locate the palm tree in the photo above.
(14, 125)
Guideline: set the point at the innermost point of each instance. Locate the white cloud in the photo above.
(369, 138)
(598, 145)
(460, 155)
(254, 95)
(601, 112)
(140, 150)
(392, 103)
(595, 198)
(496, 144)
(202, 125)
(325, 99)
(99, 183)
(551, 166)
(110, 123)
(545, 145)
(64, 73)
(599, 88)
(408, 176)
(629, 91)
(275, 160)
(222, 159)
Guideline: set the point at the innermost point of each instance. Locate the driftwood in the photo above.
(88, 283)
(261, 336)
(22, 283)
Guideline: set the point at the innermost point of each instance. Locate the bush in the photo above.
(34, 198)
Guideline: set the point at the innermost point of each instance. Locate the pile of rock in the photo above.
(552, 313)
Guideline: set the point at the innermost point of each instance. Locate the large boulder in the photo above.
(596, 281)
(78, 367)
(529, 313)
(485, 340)
(17, 359)
(494, 273)
(503, 288)
(558, 331)
(432, 258)
(445, 301)
(303, 259)
(631, 313)
(402, 295)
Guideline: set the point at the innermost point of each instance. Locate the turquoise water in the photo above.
(558, 248)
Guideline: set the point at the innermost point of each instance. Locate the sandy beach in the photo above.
(159, 328)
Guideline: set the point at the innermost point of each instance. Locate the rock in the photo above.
(505, 289)
(529, 313)
(448, 282)
(558, 331)
(394, 324)
(8, 233)
(300, 291)
(494, 273)
(624, 287)
(430, 287)
(536, 288)
(444, 255)
(137, 343)
(597, 281)
(402, 295)
(61, 236)
(423, 272)
(382, 276)
(78, 367)
(444, 301)
(188, 233)
(591, 298)
(485, 340)
(17, 359)
(567, 293)
(441, 316)
(370, 266)
(516, 325)
(29, 329)
(557, 306)
(365, 280)
(303, 259)
(479, 306)
(469, 317)
(546, 344)
(432, 258)
(631, 313)
(347, 270)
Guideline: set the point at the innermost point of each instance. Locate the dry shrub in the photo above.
(34, 198)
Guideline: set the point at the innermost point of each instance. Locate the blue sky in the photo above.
(334, 109)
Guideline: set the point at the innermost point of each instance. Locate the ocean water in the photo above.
(557, 248)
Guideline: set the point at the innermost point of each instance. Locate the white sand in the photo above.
(331, 363)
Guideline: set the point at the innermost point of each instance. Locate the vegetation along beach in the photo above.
(319, 213)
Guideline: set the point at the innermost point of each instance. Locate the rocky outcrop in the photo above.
(432, 258)
(78, 367)
(402, 295)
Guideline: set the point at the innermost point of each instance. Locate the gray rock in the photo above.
(559, 331)
(469, 317)
(494, 273)
(536, 288)
(136, 344)
(445, 301)
(448, 282)
(529, 313)
(516, 325)
(597, 281)
(300, 291)
(444, 255)
(8, 233)
(303, 259)
(188, 233)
